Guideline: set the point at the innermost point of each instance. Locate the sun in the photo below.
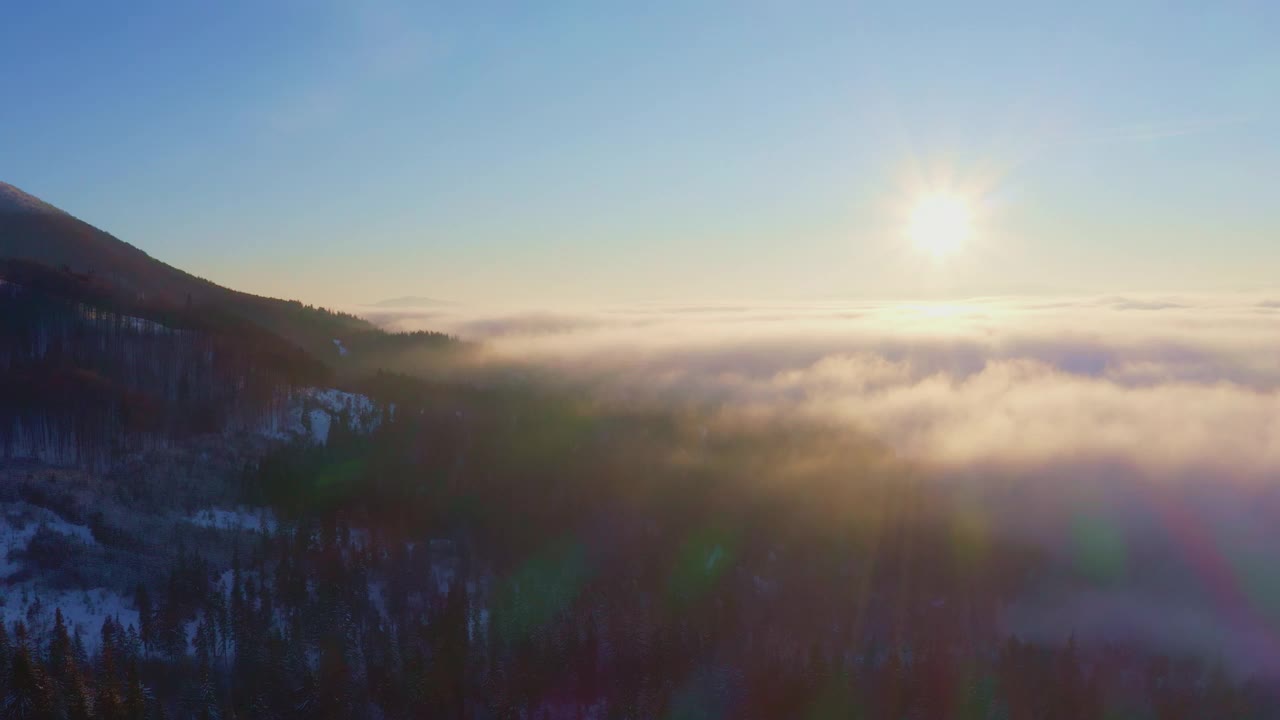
(940, 223)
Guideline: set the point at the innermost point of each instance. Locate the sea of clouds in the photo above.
(1139, 432)
(1167, 385)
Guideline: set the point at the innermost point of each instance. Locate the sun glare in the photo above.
(939, 224)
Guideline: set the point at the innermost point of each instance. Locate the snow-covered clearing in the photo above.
(237, 519)
(20, 521)
(312, 412)
(82, 610)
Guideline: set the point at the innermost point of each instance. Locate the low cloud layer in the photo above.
(1166, 384)
(1135, 434)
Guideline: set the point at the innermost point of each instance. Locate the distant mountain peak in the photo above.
(15, 201)
(410, 301)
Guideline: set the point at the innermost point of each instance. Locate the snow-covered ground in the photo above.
(82, 610)
(377, 597)
(363, 415)
(312, 412)
(20, 521)
(238, 519)
(443, 575)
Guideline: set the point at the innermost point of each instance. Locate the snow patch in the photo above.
(311, 413)
(20, 521)
(443, 575)
(82, 610)
(377, 598)
(240, 519)
(319, 421)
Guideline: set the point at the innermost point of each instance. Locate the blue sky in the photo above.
(345, 152)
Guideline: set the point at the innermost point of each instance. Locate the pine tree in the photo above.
(107, 704)
(135, 706)
(78, 650)
(5, 659)
(142, 599)
(61, 660)
(202, 643)
(237, 610)
(77, 703)
(30, 695)
(106, 701)
(68, 682)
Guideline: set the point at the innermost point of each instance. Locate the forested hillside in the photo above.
(34, 231)
(504, 554)
(125, 353)
(88, 376)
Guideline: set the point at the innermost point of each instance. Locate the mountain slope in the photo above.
(33, 230)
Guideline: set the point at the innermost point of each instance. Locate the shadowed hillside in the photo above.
(33, 230)
(106, 351)
(111, 270)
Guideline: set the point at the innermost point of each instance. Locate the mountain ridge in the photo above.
(33, 230)
(16, 200)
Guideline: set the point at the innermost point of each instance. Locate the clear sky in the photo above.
(352, 151)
